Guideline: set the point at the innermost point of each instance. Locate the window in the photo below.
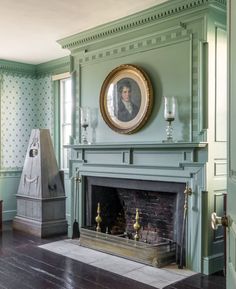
(65, 119)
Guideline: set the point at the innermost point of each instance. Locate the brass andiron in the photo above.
(136, 226)
(98, 219)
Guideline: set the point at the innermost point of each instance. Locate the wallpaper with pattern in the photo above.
(26, 103)
(45, 103)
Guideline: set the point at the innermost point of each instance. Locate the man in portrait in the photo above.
(127, 109)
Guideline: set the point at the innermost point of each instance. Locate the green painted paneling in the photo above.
(151, 39)
(166, 79)
(221, 84)
(170, 54)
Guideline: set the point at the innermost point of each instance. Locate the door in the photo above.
(231, 199)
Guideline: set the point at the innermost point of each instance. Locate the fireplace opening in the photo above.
(160, 206)
(112, 210)
(118, 212)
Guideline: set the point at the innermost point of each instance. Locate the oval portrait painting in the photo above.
(126, 99)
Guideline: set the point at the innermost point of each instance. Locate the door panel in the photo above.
(231, 274)
(231, 203)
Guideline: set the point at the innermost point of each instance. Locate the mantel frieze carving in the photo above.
(153, 41)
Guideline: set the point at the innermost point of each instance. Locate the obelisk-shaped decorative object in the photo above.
(41, 195)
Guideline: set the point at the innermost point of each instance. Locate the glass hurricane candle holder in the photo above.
(84, 122)
(169, 115)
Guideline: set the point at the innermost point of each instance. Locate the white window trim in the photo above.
(61, 76)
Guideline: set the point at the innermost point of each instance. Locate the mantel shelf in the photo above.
(144, 145)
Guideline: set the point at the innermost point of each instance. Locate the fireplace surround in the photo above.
(150, 169)
(160, 205)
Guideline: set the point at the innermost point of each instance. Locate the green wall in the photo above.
(165, 81)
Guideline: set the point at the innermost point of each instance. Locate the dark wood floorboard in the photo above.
(200, 281)
(24, 265)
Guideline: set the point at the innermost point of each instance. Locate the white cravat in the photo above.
(128, 106)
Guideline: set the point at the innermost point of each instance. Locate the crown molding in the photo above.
(56, 66)
(138, 21)
(17, 68)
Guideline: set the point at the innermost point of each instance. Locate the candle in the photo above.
(169, 108)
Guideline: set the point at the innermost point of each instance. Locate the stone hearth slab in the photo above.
(155, 277)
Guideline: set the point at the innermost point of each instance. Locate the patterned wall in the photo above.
(45, 103)
(26, 103)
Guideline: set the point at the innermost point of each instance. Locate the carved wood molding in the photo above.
(137, 21)
(155, 41)
(35, 71)
(16, 68)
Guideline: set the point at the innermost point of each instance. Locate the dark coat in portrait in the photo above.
(124, 114)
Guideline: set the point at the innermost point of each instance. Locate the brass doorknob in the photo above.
(218, 221)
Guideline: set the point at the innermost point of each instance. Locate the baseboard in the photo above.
(8, 215)
(214, 263)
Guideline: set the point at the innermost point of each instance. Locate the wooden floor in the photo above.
(24, 265)
(200, 281)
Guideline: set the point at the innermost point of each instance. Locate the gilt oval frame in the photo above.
(112, 105)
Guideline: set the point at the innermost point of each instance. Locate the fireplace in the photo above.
(160, 206)
(137, 175)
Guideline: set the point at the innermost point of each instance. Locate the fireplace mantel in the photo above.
(83, 152)
(138, 145)
(147, 154)
(162, 162)
(160, 145)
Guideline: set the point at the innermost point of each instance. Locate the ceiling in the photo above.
(29, 29)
